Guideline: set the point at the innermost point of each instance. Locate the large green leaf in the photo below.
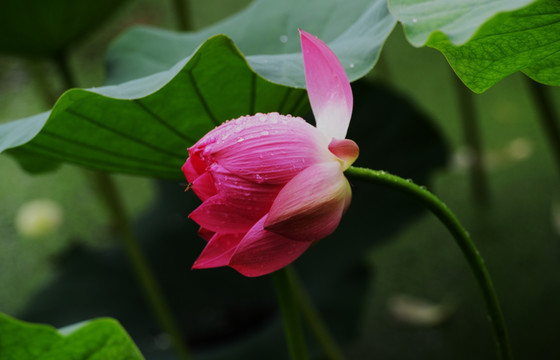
(457, 19)
(96, 339)
(145, 126)
(526, 40)
(44, 28)
(164, 98)
(487, 40)
(266, 32)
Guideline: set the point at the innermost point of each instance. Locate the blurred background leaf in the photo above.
(266, 33)
(46, 28)
(93, 339)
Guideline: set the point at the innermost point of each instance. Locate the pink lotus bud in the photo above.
(273, 184)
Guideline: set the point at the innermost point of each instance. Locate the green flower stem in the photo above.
(283, 283)
(471, 131)
(313, 318)
(107, 191)
(547, 117)
(462, 238)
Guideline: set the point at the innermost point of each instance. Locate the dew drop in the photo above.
(415, 20)
(283, 39)
(351, 66)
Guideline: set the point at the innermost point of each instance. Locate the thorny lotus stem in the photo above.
(107, 191)
(313, 318)
(475, 261)
(283, 283)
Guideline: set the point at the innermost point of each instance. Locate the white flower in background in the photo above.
(38, 217)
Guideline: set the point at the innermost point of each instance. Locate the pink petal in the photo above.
(203, 186)
(346, 150)
(257, 197)
(205, 234)
(328, 87)
(262, 252)
(310, 206)
(190, 173)
(222, 215)
(238, 205)
(195, 165)
(264, 148)
(218, 251)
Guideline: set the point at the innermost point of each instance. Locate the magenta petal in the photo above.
(190, 173)
(262, 252)
(257, 197)
(218, 251)
(222, 215)
(205, 234)
(267, 148)
(195, 165)
(310, 206)
(328, 87)
(203, 186)
(346, 150)
(249, 198)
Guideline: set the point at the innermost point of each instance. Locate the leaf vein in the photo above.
(484, 37)
(202, 99)
(55, 153)
(284, 100)
(162, 121)
(124, 135)
(100, 149)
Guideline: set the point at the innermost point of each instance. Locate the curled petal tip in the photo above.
(328, 87)
(346, 150)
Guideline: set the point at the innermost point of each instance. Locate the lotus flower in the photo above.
(271, 185)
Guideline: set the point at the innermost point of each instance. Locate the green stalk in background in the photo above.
(547, 117)
(471, 134)
(283, 284)
(108, 193)
(313, 318)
